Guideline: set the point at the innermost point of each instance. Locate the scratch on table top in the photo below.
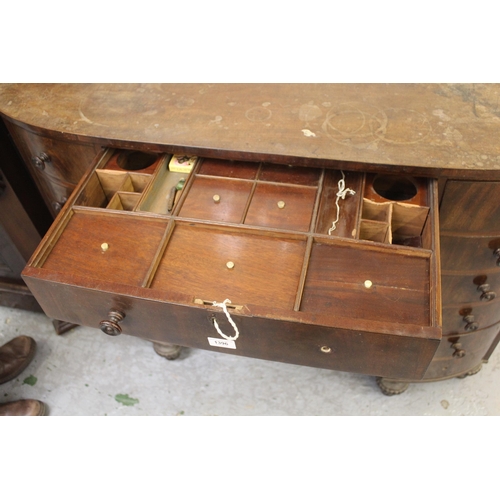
(308, 133)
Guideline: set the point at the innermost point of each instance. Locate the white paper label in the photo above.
(228, 344)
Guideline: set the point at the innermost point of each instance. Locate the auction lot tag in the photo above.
(228, 344)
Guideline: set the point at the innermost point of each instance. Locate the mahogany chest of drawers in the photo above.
(350, 234)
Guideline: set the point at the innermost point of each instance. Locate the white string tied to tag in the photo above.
(341, 194)
(223, 306)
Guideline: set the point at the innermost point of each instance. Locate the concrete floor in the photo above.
(84, 372)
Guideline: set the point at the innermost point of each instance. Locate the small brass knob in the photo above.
(471, 325)
(459, 352)
(110, 326)
(230, 265)
(486, 293)
(57, 205)
(40, 160)
(281, 204)
(216, 198)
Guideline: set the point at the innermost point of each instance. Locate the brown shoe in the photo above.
(23, 408)
(15, 356)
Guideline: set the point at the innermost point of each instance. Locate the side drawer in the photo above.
(464, 318)
(458, 354)
(483, 196)
(468, 254)
(158, 247)
(64, 160)
(56, 166)
(484, 287)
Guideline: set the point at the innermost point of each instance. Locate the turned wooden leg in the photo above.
(169, 351)
(391, 387)
(62, 326)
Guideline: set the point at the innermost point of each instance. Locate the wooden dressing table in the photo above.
(352, 227)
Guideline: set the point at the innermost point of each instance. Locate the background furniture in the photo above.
(23, 220)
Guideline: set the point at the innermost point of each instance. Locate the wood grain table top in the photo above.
(437, 129)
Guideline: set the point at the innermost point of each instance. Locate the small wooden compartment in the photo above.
(226, 168)
(116, 188)
(308, 278)
(214, 198)
(282, 207)
(212, 263)
(395, 210)
(111, 247)
(300, 176)
(366, 282)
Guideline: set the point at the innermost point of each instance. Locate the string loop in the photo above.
(233, 324)
(341, 194)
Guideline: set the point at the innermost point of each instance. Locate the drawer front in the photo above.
(471, 288)
(469, 317)
(469, 254)
(56, 166)
(55, 192)
(66, 161)
(461, 353)
(482, 196)
(285, 341)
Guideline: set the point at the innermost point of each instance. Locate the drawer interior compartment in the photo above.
(356, 281)
(217, 199)
(210, 263)
(281, 207)
(108, 246)
(395, 210)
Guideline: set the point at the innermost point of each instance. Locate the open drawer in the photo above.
(327, 268)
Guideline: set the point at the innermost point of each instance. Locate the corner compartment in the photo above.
(116, 188)
(362, 281)
(395, 210)
(97, 244)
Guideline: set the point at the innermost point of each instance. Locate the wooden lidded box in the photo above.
(326, 268)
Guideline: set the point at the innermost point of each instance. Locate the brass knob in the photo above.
(486, 293)
(496, 253)
(459, 352)
(471, 325)
(110, 326)
(57, 205)
(40, 160)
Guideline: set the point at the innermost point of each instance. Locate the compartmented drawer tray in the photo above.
(312, 275)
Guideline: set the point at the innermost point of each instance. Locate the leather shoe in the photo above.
(23, 408)
(15, 356)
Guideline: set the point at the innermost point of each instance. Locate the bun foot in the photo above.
(168, 351)
(391, 387)
(475, 370)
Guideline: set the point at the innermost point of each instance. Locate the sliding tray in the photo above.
(327, 268)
